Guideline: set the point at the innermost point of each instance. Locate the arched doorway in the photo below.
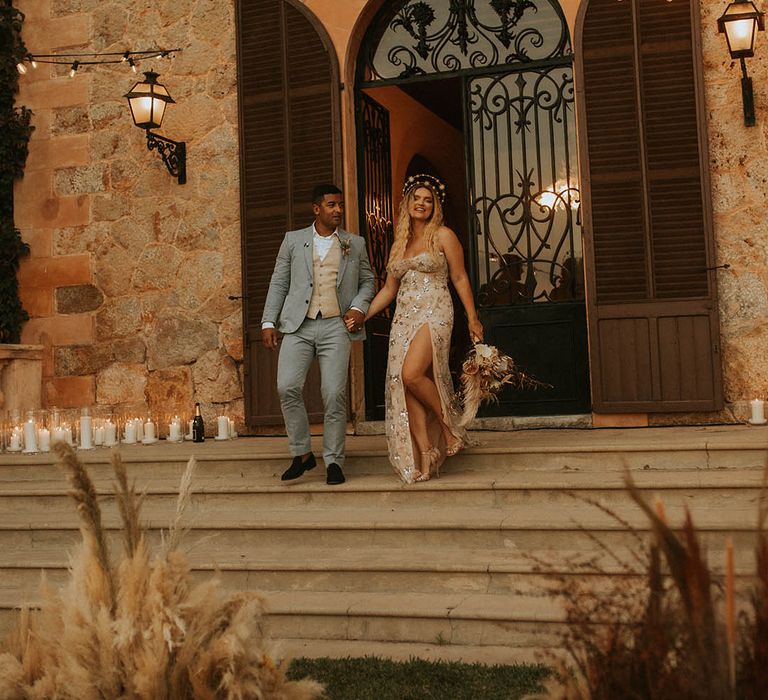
(484, 90)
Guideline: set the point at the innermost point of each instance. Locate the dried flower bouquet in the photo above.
(485, 372)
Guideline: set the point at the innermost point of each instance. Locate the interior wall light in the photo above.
(148, 100)
(740, 23)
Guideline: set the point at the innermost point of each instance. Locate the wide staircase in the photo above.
(445, 569)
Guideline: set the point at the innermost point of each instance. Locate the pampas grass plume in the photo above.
(139, 629)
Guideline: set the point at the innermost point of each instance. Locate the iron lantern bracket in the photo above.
(173, 153)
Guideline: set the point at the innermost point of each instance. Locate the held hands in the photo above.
(476, 332)
(354, 320)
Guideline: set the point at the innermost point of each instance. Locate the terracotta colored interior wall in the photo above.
(416, 130)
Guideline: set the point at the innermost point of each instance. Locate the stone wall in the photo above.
(130, 272)
(739, 172)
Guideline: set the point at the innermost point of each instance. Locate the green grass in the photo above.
(372, 678)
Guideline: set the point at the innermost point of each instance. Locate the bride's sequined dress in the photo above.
(422, 299)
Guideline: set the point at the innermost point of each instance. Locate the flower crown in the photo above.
(425, 180)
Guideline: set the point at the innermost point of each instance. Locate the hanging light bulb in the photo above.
(132, 64)
(125, 57)
(32, 61)
(21, 67)
(73, 69)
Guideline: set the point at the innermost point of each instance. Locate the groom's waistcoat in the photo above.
(325, 300)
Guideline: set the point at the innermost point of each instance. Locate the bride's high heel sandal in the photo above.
(429, 459)
(454, 448)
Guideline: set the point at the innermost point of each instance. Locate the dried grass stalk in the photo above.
(154, 636)
(660, 634)
(129, 504)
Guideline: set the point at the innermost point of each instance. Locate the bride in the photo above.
(421, 425)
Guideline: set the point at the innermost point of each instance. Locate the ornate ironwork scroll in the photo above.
(439, 36)
(526, 203)
(173, 153)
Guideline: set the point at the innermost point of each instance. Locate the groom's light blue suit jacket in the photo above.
(290, 288)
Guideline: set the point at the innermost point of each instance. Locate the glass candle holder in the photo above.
(222, 426)
(85, 429)
(149, 429)
(43, 430)
(111, 423)
(176, 424)
(14, 432)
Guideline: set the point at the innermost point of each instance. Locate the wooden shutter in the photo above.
(654, 335)
(290, 142)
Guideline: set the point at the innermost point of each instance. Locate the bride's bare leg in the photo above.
(417, 420)
(417, 381)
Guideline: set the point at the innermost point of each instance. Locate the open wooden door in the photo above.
(290, 141)
(652, 293)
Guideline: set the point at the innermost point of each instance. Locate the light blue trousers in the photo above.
(328, 339)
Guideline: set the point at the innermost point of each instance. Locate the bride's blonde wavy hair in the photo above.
(404, 230)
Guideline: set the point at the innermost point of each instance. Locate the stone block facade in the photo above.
(130, 276)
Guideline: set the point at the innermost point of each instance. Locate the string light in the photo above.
(75, 60)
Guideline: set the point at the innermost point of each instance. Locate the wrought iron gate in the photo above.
(375, 189)
(515, 65)
(528, 254)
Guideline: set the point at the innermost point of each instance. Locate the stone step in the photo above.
(260, 508)
(21, 546)
(603, 450)
(556, 511)
(518, 620)
(448, 567)
(383, 571)
(455, 482)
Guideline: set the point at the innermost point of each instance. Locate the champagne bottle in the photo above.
(198, 427)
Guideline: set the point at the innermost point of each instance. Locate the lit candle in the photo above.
(223, 425)
(44, 440)
(758, 412)
(174, 431)
(58, 435)
(68, 435)
(139, 428)
(110, 434)
(98, 435)
(86, 431)
(130, 433)
(30, 439)
(149, 431)
(232, 429)
(15, 445)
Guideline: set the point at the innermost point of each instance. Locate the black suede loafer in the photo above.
(298, 467)
(334, 475)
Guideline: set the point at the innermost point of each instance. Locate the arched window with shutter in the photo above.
(290, 140)
(652, 295)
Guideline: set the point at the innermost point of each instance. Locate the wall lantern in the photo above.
(740, 23)
(148, 100)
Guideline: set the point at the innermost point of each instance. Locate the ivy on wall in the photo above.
(15, 130)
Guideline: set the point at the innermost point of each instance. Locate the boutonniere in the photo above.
(345, 246)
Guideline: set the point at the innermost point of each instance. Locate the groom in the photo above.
(322, 280)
